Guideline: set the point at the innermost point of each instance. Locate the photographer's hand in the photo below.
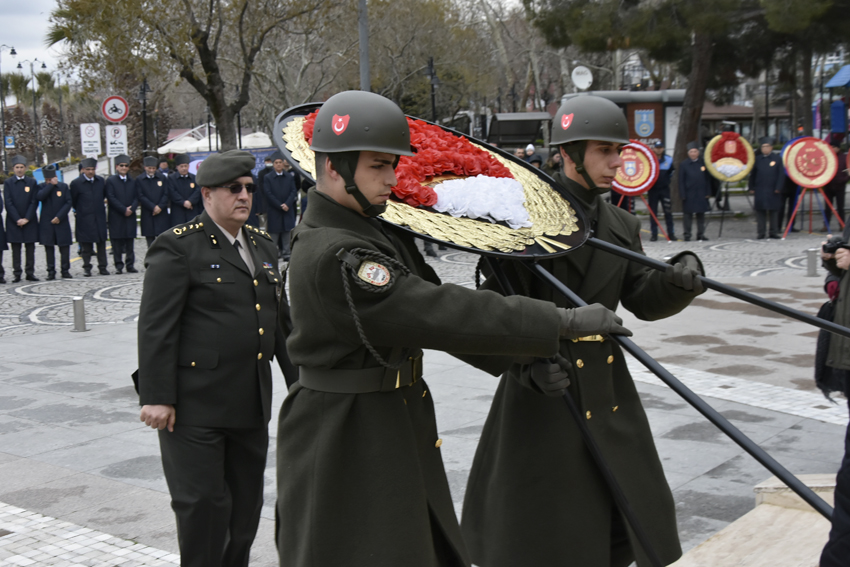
(842, 258)
(826, 255)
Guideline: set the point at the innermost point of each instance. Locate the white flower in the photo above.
(481, 197)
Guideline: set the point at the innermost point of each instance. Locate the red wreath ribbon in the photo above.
(438, 152)
(718, 152)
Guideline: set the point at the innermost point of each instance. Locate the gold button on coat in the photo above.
(580, 363)
(193, 363)
(610, 359)
(615, 408)
(438, 443)
(218, 280)
(588, 414)
(255, 283)
(260, 356)
(261, 331)
(258, 307)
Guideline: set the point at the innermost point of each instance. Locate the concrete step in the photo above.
(781, 530)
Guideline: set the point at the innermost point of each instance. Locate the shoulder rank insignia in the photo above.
(374, 273)
(188, 228)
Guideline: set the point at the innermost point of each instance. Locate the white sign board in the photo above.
(90, 138)
(582, 77)
(672, 117)
(116, 140)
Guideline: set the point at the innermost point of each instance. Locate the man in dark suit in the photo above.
(21, 217)
(766, 182)
(154, 199)
(123, 199)
(185, 194)
(207, 332)
(695, 189)
(88, 193)
(54, 226)
(281, 196)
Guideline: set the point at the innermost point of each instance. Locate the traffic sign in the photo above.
(115, 109)
(116, 140)
(90, 139)
(9, 142)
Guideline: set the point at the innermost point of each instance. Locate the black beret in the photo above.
(182, 159)
(19, 160)
(276, 156)
(88, 162)
(122, 159)
(693, 145)
(227, 166)
(150, 161)
(766, 140)
(49, 172)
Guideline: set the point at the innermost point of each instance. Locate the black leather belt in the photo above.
(361, 380)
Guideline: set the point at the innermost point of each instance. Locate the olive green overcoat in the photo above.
(535, 496)
(360, 478)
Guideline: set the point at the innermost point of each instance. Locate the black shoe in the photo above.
(653, 238)
(132, 270)
(87, 273)
(702, 239)
(2, 280)
(760, 238)
(51, 276)
(103, 272)
(673, 238)
(795, 230)
(32, 279)
(116, 271)
(430, 252)
(67, 275)
(775, 237)
(687, 239)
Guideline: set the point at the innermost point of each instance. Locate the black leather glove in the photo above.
(685, 274)
(551, 376)
(593, 319)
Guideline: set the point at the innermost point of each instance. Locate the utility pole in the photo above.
(143, 98)
(432, 75)
(363, 22)
(12, 52)
(35, 125)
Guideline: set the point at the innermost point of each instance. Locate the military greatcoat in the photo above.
(90, 214)
(55, 204)
(184, 188)
(360, 476)
(121, 194)
(767, 180)
(3, 245)
(535, 495)
(696, 186)
(153, 192)
(21, 203)
(279, 190)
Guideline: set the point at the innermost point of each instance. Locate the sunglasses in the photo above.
(236, 188)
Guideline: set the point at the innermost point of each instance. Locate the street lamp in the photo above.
(12, 52)
(34, 113)
(143, 98)
(431, 73)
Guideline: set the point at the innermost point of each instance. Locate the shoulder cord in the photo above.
(481, 261)
(348, 269)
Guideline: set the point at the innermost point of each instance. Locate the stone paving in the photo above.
(73, 454)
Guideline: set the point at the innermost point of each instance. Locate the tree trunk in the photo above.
(701, 53)
(225, 124)
(808, 95)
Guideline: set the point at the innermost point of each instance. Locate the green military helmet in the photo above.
(354, 121)
(588, 117)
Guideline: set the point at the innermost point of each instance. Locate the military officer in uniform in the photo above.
(766, 182)
(88, 192)
(122, 196)
(535, 496)
(154, 199)
(186, 202)
(360, 477)
(207, 332)
(54, 226)
(695, 189)
(281, 197)
(21, 218)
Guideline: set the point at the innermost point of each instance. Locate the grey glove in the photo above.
(593, 319)
(551, 376)
(685, 274)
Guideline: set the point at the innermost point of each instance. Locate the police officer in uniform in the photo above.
(695, 189)
(660, 192)
(281, 197)
(207, 332)
(767, 180)
(54, 226)
(21, 217)
(186, 202)
(88, 192)
(360, 477)
(535, 496)
(123, 198)
(154, 198)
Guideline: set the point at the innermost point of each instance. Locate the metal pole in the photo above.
(79, 315)
(144, 116)
(239, 127)
(363, 24)
(209, 136)
(806, 493)
(433, 76)
(723, 288)
(34, 114)
(3, 117)
(767, 100)
(812, 256)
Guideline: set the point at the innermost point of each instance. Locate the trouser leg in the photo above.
(29, 252)
(653, 206)
(65, 258)
(130, 253)
(687, 223)
(2, 269)
(700, 225)
(50, 258)
(16, 260)
(284, 244)
(150, 240)
(117, 253)
(86, 251)
(102, 262)
(839, 204)
(836, 552)
(667, 207)
(774, 224)
(761, 221)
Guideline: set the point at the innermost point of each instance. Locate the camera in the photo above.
(834, 243)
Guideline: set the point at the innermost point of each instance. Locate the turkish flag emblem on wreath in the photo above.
(339, 123)
(566, 121)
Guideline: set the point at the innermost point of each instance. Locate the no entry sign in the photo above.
(115, 109)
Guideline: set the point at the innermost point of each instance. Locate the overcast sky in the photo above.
(24, 27)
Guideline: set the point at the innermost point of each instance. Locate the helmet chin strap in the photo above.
(346, 163)
(576, 152)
